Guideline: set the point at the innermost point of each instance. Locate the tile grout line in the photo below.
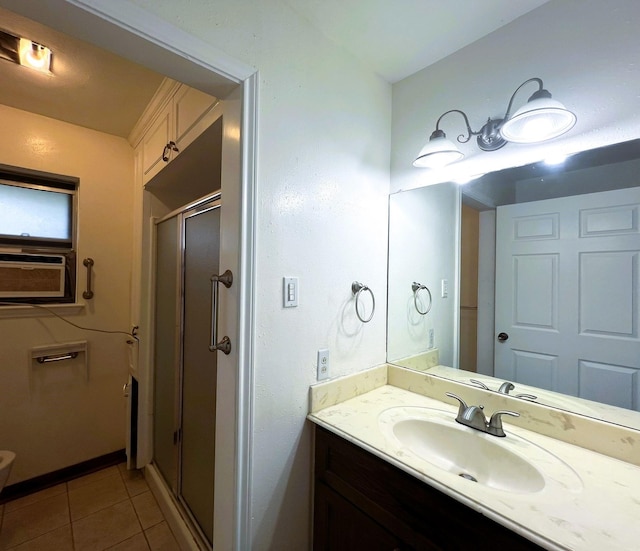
(71, 522)
(142, 530)
(73, 539)
(39, 535)
(135, 511)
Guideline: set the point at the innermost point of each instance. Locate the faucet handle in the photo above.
(463, 405)
(495, 423)
(479, 383)
(529, 397)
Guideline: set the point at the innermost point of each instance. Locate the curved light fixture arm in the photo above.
(489, 138)
(466, 121)
(513, 96)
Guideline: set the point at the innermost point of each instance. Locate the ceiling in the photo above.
(93, 88)
(89, 87)
(397, 38)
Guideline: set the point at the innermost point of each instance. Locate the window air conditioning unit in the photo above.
(32, 275)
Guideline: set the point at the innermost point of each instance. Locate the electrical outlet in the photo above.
(444, 288)
(431, 338)
(323, 364)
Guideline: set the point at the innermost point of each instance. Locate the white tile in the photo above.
(106, 527)
(59, 539)
(96, 495)
(34, 520)
(16, 504)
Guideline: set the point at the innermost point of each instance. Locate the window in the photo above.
(37, 236)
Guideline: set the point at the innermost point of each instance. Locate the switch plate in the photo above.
(323, 364)
(289, 292)
(431, 338)
(444, 288)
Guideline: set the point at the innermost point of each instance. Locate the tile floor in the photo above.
(109, 509)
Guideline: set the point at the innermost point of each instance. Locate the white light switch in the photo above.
(444, 287)
(290, 292)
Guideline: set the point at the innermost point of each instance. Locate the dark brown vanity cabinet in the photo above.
(363, 503)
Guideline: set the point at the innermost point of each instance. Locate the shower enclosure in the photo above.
(185, 367)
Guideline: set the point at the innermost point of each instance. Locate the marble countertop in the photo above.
(596, 506)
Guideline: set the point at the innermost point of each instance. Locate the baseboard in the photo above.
(26, 487)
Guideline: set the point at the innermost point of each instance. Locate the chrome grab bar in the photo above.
(225, 344)
(88, 262)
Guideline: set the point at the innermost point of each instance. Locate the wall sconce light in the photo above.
(25, 52)
(540, 119)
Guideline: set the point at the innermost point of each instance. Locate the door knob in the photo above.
(502, 337)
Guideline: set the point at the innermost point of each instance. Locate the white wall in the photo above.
(586, 54)
(423, 248)
(323, 179)
(52, 417)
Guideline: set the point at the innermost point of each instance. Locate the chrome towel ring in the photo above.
(416, 288)
(357, 288)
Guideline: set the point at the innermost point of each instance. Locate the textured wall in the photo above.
(52, 416)
(323, 180)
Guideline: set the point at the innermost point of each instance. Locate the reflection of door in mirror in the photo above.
(469, 241)
(567, 272)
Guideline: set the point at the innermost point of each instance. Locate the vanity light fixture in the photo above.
(541, 118)
(25, 52)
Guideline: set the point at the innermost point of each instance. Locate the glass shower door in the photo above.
(199, 366)
(168, 308)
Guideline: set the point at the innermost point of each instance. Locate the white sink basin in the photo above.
(511, 464)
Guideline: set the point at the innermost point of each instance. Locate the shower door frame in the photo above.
(209, 202)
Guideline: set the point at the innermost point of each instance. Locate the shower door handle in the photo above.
(225, 343)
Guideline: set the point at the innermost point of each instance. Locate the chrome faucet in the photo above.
(473, 416)
(507, 387)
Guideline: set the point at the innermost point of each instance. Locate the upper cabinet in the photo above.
(156, 144)
(174, 118)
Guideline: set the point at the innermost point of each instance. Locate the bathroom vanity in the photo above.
(364, 502)
(381, 483)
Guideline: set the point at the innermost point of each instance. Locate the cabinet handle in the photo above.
(171, 146)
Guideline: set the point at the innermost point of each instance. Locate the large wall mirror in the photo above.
(529, 276)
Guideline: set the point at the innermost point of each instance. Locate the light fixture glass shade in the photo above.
(438, 152)
(539, 120)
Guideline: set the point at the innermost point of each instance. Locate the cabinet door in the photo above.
(399, 504)
(191, 115)
(340, 526)
(154, 143)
